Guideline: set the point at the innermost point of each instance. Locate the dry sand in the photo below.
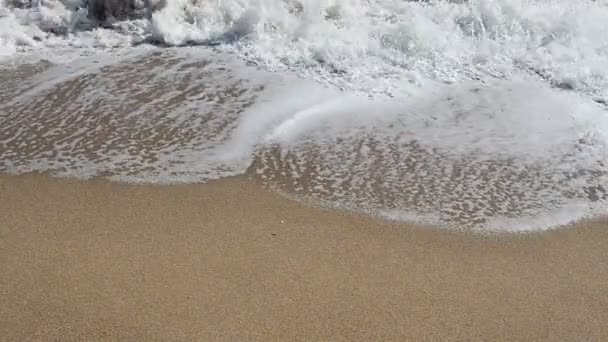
(94, 260)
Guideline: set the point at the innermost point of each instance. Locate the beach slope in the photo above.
(228, 260)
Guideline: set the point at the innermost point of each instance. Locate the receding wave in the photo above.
(487, 115)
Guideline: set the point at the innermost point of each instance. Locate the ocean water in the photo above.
(487, 115)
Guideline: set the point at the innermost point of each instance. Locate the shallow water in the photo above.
(485, 115)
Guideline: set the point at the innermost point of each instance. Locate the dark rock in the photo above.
(20, 3)
(108, 11)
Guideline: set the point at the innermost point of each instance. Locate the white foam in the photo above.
(483, 113)
(146, 116)
(387, 46)
(463, 155)
(571, 212)
(380, 46)
(520, 118)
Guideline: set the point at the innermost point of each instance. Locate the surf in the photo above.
(484, 115)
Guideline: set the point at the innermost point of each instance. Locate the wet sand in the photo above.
(228, 260)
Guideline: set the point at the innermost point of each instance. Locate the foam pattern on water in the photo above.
(150, 118)
(465, 156)
(483, 114)
(470, 156)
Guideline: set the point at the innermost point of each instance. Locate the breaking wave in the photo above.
(488, 114)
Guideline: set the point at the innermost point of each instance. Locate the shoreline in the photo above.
(226, 260)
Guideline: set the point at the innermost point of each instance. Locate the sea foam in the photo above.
(487, 114)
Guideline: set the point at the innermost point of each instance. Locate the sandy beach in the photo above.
(228, 260)
(170, 170)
